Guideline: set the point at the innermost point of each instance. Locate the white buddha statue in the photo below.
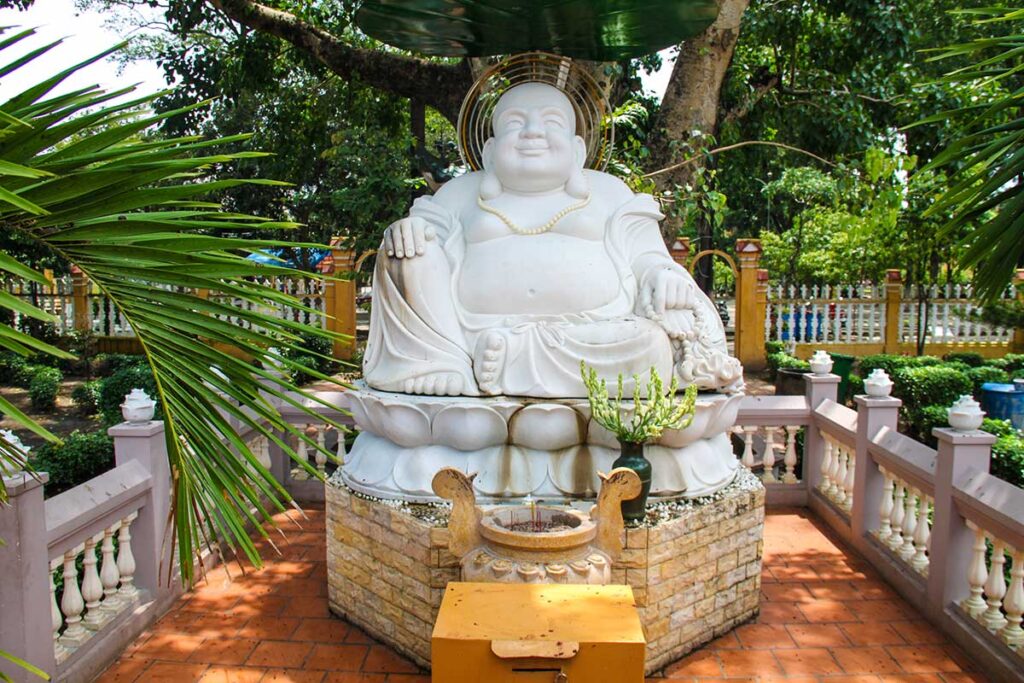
(502, 282)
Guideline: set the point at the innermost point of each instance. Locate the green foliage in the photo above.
(891, 363)
(929, 385)
(1008, 458)
(784, 361)
(302, 377)
(12, 368)
(774, 347)
(44, 387)
(87, 396)
(984, 374)
(661, 410)
(927, 418)
(81, 457)
(971, 359)
(113, 389)
(1014, 362)
(997, 427)
(108, 364)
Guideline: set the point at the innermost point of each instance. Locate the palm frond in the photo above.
(134, 214)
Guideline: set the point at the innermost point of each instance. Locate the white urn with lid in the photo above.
(821, 363)
(965, 415)
(878, 384)
(138, 407)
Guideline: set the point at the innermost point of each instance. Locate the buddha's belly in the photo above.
(538, 274)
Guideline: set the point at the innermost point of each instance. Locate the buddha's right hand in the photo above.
(408, 237)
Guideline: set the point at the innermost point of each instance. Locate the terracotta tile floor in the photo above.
(825, 616)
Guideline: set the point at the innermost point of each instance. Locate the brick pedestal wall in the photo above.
(695, 574)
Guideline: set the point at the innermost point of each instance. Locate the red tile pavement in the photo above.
(825, 616)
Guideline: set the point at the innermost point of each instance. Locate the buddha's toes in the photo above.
(490, 366)
(435, 384)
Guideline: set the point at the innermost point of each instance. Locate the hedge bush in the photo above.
(986, 373)
(44, 387)
(774, 347)
(1008, 458)
(108, 364)
(300, 377)
(1000, 363)
(114, 388)
(11, 367)
(970, 358)
(929, 385)
(892, 362)
(1014, 362)
(86, 396)
(927, 418)
(78, 459)
(784, 361)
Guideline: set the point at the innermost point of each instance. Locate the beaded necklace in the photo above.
(538, 230)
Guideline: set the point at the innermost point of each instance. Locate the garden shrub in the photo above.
(986, 373)
(784, 361)
(926, 419)
(970, 358)
(892, 362)
(81, 457)
(86, 396)
(44, 387)
(299, 377)
(774, 347)
(1008, 458)
(856, 385)
(997, 427)
(929, 385)
(114, 388)
(1000, 363)
(1019, 374)
(957, 365)
(316, 352)
(1014, 362)
(108, 364)
(12, 365)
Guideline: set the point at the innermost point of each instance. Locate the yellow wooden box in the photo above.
(535, 633)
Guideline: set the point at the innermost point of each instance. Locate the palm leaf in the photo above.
(135, 216)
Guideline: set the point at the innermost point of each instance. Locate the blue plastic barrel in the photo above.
(1004, 401)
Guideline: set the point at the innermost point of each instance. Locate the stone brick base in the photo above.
(696, 573)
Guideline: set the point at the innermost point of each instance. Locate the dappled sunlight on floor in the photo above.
(825, 615)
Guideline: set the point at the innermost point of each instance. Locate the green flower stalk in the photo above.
(661, 409)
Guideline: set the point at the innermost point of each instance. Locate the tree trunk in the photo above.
(691, 104)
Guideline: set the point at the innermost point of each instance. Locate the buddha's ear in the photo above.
(580, 148)
(490, 186)
(577, 185)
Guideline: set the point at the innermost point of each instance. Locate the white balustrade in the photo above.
(790, 458)
(884, 530)
(768, 457)
(848, 481)
(1013, 603)
(995, 589)
(896, 520)
(88, 605)
(777, 439)
(1001, 608)
(906, 551)
(922, 537)
(904, 521)
(977, 573)
(826, 463)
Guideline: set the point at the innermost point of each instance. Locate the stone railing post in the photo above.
(873, 413)
(340, 299)
(26, 629)
(145, 443)
(1018, 334)
(949, 554)
(817, 389)
(893, 301)
(749, 329)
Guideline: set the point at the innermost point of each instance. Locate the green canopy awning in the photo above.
(602, 30)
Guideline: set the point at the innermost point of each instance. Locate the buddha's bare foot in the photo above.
(436, 384)
(490, 362)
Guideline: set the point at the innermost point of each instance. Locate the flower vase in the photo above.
(631, 455)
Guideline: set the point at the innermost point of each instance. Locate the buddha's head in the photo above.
(535, 147)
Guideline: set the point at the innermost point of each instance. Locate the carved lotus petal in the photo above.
(677, 438)
(414, 472)
(725, 417)
(355, 402)
(574, 471)
(469, 427)
(547, 427)
(671, 477)
(507, 470)
(402, 423)
(370, 460)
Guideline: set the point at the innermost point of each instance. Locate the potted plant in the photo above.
(661, 410)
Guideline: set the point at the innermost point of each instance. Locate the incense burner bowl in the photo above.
(536, 544)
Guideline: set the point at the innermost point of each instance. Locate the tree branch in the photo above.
(727, 148)
(832, 92)
(759, 92)
(441, 86)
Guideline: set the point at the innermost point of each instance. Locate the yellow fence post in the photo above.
(340, 300)
(80, 299)
(1018, 334)
(750, 313)
(893, 302)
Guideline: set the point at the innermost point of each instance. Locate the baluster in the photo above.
(748, 446)
(302, 453)
(906, 551)
(896, 538)
(977, 573)
(839, 495)
(769, 309)
(851, 473)
(790, 458)
(922, 537)
(1012, 633)
(826, 464)
(127, 593)
(109, 576)
(780, 309)
(833, 475)
(56, 618)
(860, 321)
(995, 589)
(321, 452)
(768, 457)
(92, 587)
(71, 603)
(885, 508)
